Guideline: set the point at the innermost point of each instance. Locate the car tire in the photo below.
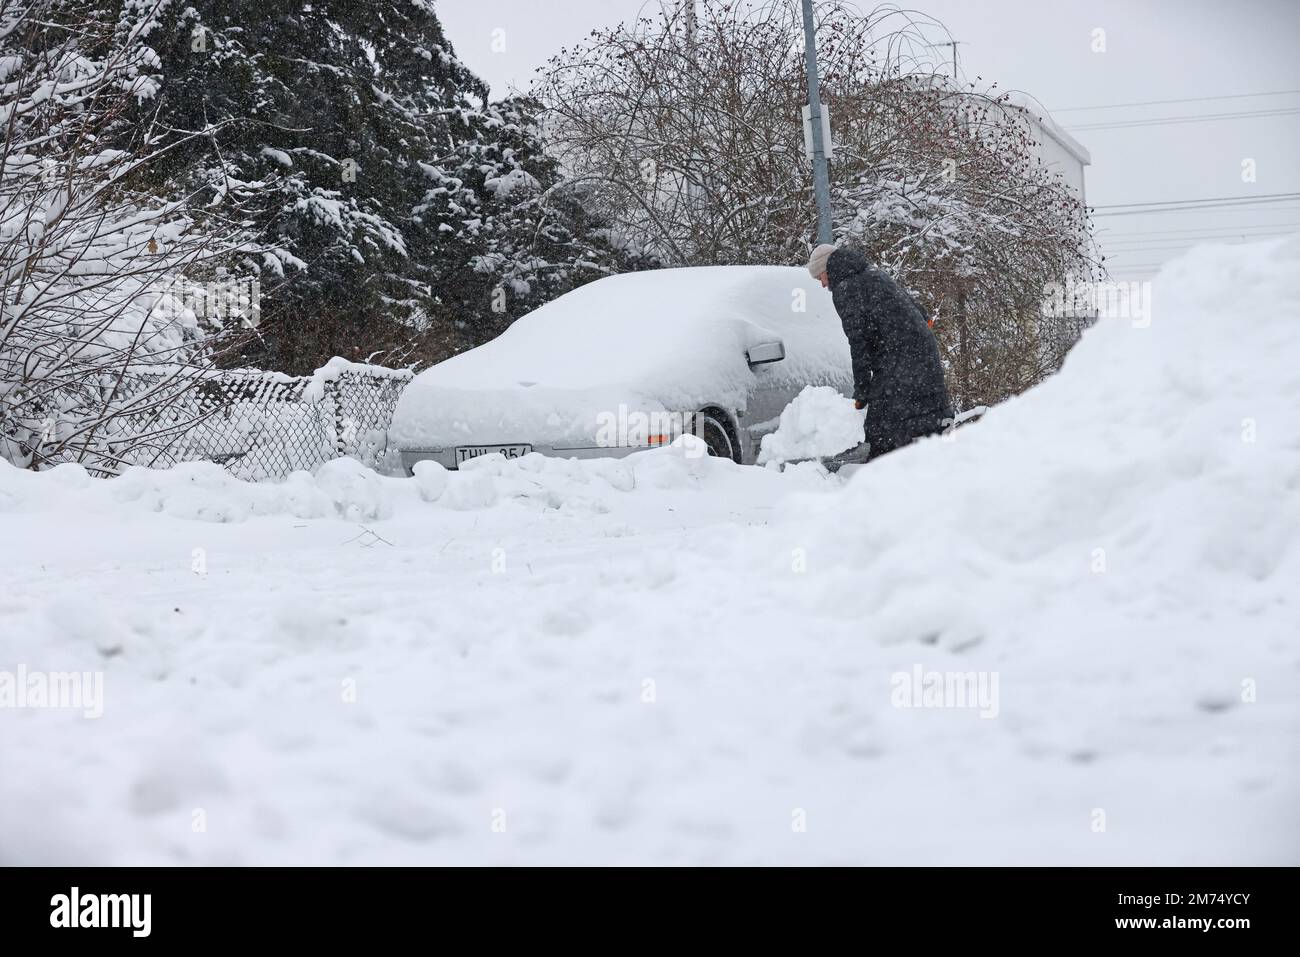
(716, 435)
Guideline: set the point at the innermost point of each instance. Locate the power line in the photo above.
(1139, 267)
(1188, 243)
(1206, 199)
(1191, 118)
(1185, 244)
(1228, 230)
(1196, 229)
(1114, 256)
(1153, 237)
(1188, 118)
(1119, 255)
(1190, 99)
(1209, 237)
(1191, 209)
(1197, 208)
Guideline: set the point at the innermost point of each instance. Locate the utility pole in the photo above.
(692, 29)
(821, 180)
(954, 44)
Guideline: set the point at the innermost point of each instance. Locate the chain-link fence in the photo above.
(263, 425)
(258, 425)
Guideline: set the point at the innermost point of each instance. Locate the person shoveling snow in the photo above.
(897, 372)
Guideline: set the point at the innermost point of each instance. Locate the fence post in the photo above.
(332, 390)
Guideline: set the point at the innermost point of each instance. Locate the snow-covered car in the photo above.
(632, 361)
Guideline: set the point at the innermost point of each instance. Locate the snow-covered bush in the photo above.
(685, 130)
(99, 334)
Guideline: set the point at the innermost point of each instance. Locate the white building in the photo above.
(1059, 151)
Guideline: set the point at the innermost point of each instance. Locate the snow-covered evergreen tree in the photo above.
(537, 238)
(398, 209)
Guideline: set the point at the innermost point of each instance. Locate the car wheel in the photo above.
(715, 436)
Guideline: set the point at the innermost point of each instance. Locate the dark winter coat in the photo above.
(896, 366)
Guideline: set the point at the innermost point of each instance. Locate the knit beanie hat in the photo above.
(817, 261)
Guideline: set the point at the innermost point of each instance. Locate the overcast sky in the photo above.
(1155, 50)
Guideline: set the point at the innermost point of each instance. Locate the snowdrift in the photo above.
(347, 490)
(1121, 546)
(1157, 473)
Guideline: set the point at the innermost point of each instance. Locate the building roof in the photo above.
(1048, 125)
(1032, 109)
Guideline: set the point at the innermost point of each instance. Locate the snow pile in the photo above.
(819, 422)
(346, 489)
(557, 483)
(201, 491)
(1166, 454)
(1121, 546)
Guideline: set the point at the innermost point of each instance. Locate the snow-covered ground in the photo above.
(668, 659)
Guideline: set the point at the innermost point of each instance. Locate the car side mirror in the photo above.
(766, 352)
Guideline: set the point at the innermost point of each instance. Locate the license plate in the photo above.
(466, 452)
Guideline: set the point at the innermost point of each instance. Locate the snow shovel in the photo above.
(854, 456)
(859, 453)
(833, 463)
